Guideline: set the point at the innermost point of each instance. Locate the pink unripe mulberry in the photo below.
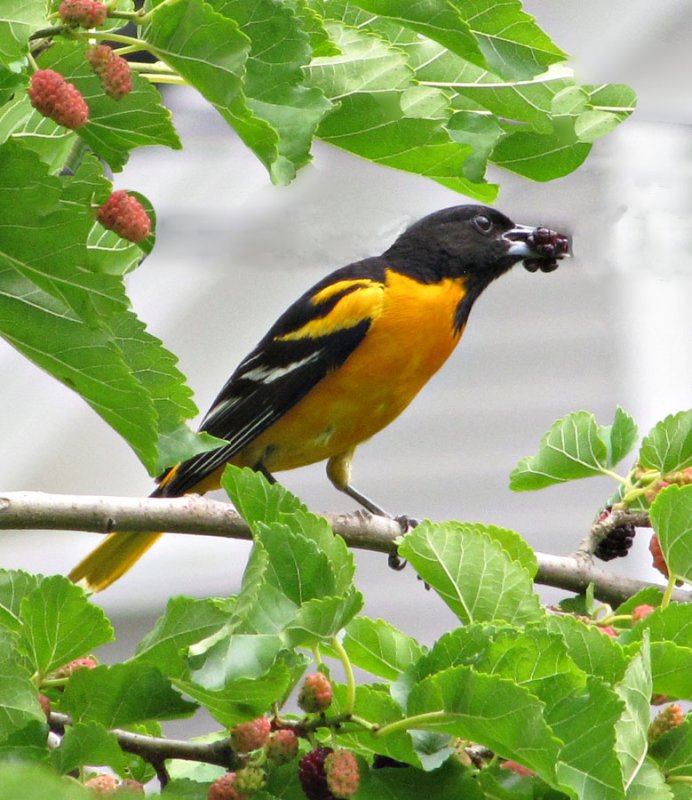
(102, 784)
(112, 70)
(282, 746)
(343, 777)
(642, 611)
(249, 736)
(85, 13)
(315, 694)
(126, 216)
(54, 97)
(225, 788)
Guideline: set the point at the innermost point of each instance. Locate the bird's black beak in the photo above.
(539, 248)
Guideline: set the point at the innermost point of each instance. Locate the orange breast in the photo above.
(408, 342)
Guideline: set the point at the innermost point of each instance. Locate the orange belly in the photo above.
(407, 343)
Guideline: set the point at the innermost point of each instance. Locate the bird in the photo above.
(345, 359)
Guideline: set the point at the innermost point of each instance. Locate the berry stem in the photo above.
(143, 66)
(137, 44)
(176, 80)
(350, 677)
(49, 33)
(665, 602)
(614, 618)
(418, 721)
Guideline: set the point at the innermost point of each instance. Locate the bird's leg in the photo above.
(259, 467)
(339, 473)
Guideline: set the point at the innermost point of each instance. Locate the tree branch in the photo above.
(156, 749)
(193, 514)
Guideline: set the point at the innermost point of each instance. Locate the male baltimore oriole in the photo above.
(346, 359)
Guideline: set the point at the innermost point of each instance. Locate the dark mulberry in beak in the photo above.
(539, 248)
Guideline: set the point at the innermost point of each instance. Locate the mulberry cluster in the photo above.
(327, 774)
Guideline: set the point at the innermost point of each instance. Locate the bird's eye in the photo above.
(482, 223)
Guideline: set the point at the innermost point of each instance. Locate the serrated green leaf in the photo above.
(634, 690)
(587, 762)
(19, 19)
(671, 624)
(472, 572)
(671, 518)
(649, 784)
(451, 780)
(621, 436)
(512, 43)
(378, 647)
(242, 699)
(18, 697)
(234, 657)
(89, 743)
(668, 445)
(273, 82)
(592, 651)
(122, 695)
(322, 618)
(671, 666)
(539, 156)
(673, 750)
(436, 19)
(488, 710)
(574, 447)
(60, 624)
(187, 620)
(37, 782)
(15, 585)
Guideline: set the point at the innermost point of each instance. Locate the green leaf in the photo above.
(89, 743)
(115, 127)
(649, 596)
(671, 624)
(18, 698)
(649, 784)
(511, 42)
(592, 651)
(19, 19)
(475, 575)
(35, 782)
(671, 518)
(322, 618)
(257, 500)
(671, 665)
(673, 750)
(668, 446)
(622, 436)
(587, 762)
(187, 620)
(489, 710)
(574, 447)
(242, 699)
(272, 85)
(451, 780)
(631, 729)
(60, 624)
(122, 695)
(15, 585)
(540, 157)
(435, 19)
(379, 648)
(234, 657)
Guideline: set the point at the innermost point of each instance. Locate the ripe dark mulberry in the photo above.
(312, 775)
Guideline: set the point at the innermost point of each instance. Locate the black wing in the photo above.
(312, 338)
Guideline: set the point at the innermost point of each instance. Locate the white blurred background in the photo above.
(611, 326)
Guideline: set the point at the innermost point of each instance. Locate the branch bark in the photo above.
(193, 514)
